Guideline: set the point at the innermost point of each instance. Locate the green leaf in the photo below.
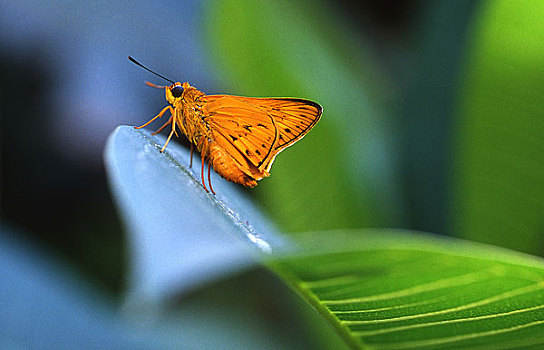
(499, 168)
(400, 290)
(286, 48)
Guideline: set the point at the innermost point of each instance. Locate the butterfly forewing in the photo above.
(258, 128)
(293, 117)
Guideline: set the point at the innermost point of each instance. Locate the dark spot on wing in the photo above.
(247, 127)
(249, 154)
(258, 152)
(233, 138)
(262, 126)
(287, 130)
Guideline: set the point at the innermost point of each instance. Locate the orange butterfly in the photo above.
(238, 136)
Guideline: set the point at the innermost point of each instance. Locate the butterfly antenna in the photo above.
(147, 69)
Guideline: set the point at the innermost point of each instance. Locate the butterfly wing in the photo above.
(257, 129)
(293, 118)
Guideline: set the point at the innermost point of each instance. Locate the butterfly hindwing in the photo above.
(239, 127)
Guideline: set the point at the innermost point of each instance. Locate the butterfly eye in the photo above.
(177, 90)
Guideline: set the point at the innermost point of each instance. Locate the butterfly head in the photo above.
(174, 92)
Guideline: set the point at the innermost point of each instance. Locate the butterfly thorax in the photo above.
(189, 114)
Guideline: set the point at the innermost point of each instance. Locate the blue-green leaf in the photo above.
(180, 236)
(47, 305)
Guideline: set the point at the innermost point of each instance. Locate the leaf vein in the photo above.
(501, 296)
(444, 322)
(437, 341)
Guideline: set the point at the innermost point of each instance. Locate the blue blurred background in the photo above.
(66, 84)
(433, 113)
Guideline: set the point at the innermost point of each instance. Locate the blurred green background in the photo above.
(433, 113)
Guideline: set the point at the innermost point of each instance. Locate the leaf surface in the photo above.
(400, 290)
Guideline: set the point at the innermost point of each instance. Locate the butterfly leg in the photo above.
(209, 181)
(163, 126)
(202, 174)
(170, 136)
(191, 163)
(167, 108)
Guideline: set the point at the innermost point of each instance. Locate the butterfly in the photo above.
(238, 136)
